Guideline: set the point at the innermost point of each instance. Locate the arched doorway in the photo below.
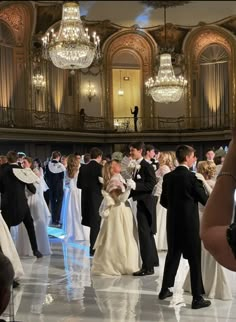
(126, 85)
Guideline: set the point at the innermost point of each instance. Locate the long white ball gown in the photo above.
(71, 211)
(116, 248)
(214, 276)
(40, 214)
(160, 237)
(9, 249)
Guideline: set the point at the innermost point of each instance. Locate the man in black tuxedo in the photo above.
(142, 185)
(181, 192)
(88, 182)
(14, 204)
(54, 176)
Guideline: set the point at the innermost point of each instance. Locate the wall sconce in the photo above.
(91, 92)
(38, 81)
(120, 91)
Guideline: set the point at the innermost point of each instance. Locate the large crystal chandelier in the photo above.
(166, 87)
(71, 48)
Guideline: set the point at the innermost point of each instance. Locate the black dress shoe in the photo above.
(143, 272)
(200, 302)
(15, 284)
(165, 293)
(37, 254)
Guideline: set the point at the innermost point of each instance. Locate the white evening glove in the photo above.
(131, 184)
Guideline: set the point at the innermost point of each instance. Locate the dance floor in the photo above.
(59, 288)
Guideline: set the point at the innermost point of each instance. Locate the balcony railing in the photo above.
(31, 119)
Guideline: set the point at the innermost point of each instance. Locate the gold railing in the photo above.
(31, 119)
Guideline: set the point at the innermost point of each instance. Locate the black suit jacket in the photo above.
(181, 192)
(91, 188)
(54, 180)
(145, 180)
(14, 204)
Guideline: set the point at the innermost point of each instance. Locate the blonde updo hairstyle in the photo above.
(165, 158)
(207, 169)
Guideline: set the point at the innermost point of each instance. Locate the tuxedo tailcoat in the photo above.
(55, 184)
(181, 192)
(146, 213)
(91, 197)
(14, 204)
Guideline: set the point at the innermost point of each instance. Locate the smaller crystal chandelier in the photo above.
(120, 91)
(166, 87)
(38, 81)
(71, 48)
(91, 92)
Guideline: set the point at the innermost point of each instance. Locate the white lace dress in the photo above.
(40, 214)
(71, 211)
(214, 276)
(160, 237)
(117, 250)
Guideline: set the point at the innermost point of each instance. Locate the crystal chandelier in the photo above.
(38, 81)
(166, 87)
(71, 48)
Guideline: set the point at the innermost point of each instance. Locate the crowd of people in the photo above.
(128, 207)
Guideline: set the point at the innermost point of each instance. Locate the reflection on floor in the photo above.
(60, 288)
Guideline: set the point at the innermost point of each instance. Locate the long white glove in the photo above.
(131, 184)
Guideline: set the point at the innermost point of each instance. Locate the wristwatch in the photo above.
(231, 237)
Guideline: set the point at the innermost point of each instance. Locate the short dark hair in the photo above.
(12, 156)
(183, 151)
(95, 152)
(138, 146)
(87, 157)
(39, 162)
(56, 154)
(149, 147)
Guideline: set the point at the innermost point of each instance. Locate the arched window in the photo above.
(214, 87)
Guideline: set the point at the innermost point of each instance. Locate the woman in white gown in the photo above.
(166, 164)
(116, 248)
(40, 214)
(214, 276)
(8, 248)
(71, 205)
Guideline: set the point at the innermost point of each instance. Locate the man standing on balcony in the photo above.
(135, 113)
(54, 176)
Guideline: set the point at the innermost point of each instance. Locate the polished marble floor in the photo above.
(60, 288)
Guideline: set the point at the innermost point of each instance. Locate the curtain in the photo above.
(57, 81)
(214, 87)
(6, 77)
